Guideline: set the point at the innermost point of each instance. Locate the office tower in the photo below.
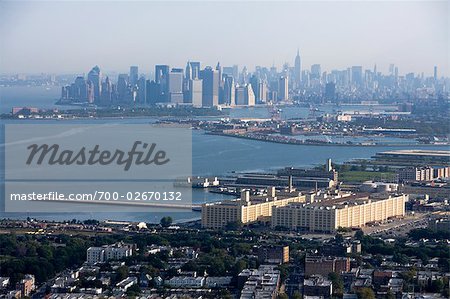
(435, 73)
(153, 92)
(263, 92)
(161, 78)
(106, 94)
(195, 67)
(188, 74)
(142, 90)
(330, 91)
(228, 90)
(90, 92)
(95, 77)
(283, 88)
(243, 78)
(122, 88)
(254, 83)
(134, 74)
(315, 72)
(210, 87)
(175, 85)
(297, 70)
(356, 75)
(244, 95)
(79, 90)
(195, 92)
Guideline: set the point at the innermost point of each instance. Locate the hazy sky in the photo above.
(66, 37)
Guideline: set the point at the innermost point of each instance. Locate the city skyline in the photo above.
(150, 33)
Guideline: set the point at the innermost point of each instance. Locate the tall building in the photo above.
(244, 95)
(95, 76)
(210, 87)
(175, 85)
(142, 90)
(122, 88)
(153, 92)
(195, 68)
(435, 73)
(357, 77)
(315, 72)
(228, 90)
(107, 93)
(283, 88)
(134, 74)
(297, 70)
(195, 92)
(161, 78)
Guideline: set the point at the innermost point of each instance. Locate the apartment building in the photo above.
(327, 216)
(246, 209)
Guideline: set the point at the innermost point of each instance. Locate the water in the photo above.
(212, 155)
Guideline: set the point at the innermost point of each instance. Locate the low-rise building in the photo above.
(273, 254)
(108, 252)
(317, 286)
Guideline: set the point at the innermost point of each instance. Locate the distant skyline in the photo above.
(72, 37)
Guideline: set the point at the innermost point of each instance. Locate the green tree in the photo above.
(296, 295)
(166, 221)
(365, 293)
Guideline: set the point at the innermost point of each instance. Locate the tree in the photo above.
(282, 296)
(296, 295)
(365, 293)
(166, 221)
(359, 235)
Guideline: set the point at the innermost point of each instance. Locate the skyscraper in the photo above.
(175, 86)
(106, 94)
(142, 90)
(283, 88)
(195, 67)
(95, 76)
(228, 91)
(435, 73)
(315, 71)
(357, 78)
(122, 88)
(161, 78)
(134, 74)
(210, 87)
(195, 92)
(297, 70)
(244, 95)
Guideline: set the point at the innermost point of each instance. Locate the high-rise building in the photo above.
(153, 92)
(210, 87)
(228, 90)
(107, 92)
(122, 88)
(95, 76)
(297, 70)
(244, 95)
(195, 67)
(357, 78)
(435, 73)
(283, 88)
(142, 90)
(195, 92)
(175, 85)
(161, 78)
(330, 91)
(315, 72)
(134, 74)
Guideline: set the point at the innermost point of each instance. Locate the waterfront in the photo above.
(212, 155)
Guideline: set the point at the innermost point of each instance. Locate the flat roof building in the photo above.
(245, 209)
(327, 216)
